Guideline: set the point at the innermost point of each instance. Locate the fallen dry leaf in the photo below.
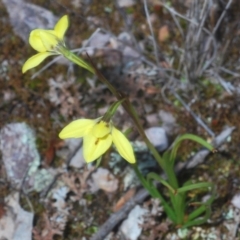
(49, 153)
(163, 33)
(47, 232)
(77, 182)
(60, 95)
(128, 195)
(103, 179)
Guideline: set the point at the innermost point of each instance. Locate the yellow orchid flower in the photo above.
(98, 136)
(46, 42)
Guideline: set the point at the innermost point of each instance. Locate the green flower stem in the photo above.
(198, 221)
(168, 169)
(166, 162)
(191, 137)
(153, 176)
(75, 59)
(194, 186)
(153, 191)
(204, 206)
(179, 207)
(112, 110)
(177, 200)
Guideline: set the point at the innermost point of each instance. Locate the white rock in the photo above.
(168, 122)
(16, 223)
(74, 149)
(158, 137)
(131, 227)
(166, 117)
(126, 3)
(25, 17)
(103, 179)
(21, 158)
(236, 201)
(77, 160)
(19, 151)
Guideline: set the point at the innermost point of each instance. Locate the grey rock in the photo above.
(158, 137)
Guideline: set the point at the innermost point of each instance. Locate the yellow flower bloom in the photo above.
(98, 136)
(46, 42)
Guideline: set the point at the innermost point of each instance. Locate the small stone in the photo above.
(158, 137)
(126, 3)
(103, 179)
(131, 227)
(236, 201)
(19, 152)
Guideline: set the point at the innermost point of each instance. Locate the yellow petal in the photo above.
(101, 129)
(94, 147)
(61, 27)
(123, 146)
(35, 39)
(49, 39)
(77, 128)
(35, 60)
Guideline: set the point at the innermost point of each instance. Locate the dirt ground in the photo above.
(178, 62)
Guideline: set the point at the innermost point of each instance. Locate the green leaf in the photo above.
(188, 137)
(203, 207)
(194, 186)
(198, 221)
(98, 162)
(154, 176)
